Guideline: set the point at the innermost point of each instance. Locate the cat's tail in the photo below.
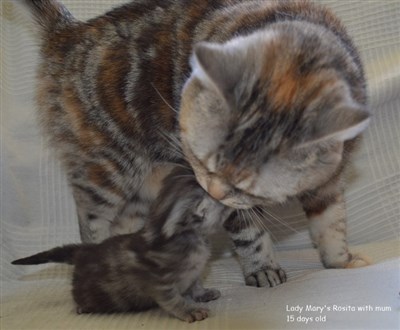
(49, 14)
(62, 254)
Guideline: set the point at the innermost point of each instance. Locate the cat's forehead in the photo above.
(289, 80)
(284, 99)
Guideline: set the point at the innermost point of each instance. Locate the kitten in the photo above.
(155, 266)
(265, 100)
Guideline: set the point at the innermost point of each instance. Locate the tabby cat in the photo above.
(265, 99)
(157, 265)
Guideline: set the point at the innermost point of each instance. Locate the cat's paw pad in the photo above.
(358, 260)
(208, 295)
(266, 277)
(195, 314)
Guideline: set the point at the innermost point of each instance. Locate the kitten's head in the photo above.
(265, 117)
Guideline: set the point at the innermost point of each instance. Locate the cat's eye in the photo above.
(329, 158)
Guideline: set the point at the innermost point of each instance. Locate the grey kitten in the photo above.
(158, 265)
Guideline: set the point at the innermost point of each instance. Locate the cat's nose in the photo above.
(217, 189)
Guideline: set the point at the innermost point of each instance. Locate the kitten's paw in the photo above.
(208, 295)
(358, 260)
(194, 314)
(266, 277)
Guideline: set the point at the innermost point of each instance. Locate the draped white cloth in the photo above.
(37, 211)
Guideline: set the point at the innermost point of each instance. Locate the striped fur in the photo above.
(157, 265)
(263, 98)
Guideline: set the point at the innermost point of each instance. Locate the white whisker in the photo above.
(183, 166)
(279, 220)
(165, 101)
(173, 143)
(244, 221)
(264, 226)
(271, 222)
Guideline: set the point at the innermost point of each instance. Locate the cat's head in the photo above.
(265, 117)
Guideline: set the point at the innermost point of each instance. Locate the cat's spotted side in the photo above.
(263, 98)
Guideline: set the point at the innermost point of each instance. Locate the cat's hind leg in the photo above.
(254, 249)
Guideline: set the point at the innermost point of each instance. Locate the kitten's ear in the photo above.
(216, 66)
(341, 123)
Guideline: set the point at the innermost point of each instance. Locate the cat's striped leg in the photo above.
(254, 249)
(326, 212)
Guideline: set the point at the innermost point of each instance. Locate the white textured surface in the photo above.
(37, 210)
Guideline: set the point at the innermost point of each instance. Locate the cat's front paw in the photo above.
(268, 277)
(208, 295)
(347, 260)
(358, 260)
(194, 314)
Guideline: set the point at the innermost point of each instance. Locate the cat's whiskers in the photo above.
(164, 100)
(176, 141)
(250, 213)
(173, 143)
(248, 220)
(269, 221)
(183, 166)
(173, 140)
(279, 220)
(245, 221)
(259, 222)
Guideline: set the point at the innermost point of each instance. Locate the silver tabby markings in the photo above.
(265, 100)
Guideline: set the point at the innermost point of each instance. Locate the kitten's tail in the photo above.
(63, 254)
(49, 14)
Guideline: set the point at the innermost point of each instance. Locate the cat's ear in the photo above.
(342, 123)
(216, 66)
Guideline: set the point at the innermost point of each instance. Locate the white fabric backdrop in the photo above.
(37, 210)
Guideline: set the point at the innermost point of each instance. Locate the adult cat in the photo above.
(263, 98)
